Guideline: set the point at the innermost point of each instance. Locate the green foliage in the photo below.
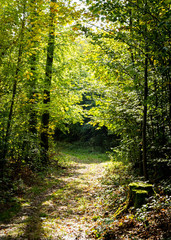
(96, 90)
(117, 174)
(129, 35)
(22, 71)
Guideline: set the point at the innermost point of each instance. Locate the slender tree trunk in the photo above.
(7, 134)
(33, 64)
(48, 77)
(144, 127)
(169, 94)
(33, 112)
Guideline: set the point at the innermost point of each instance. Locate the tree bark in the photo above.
(33, 64)
(48, 77)
(144, 130)
(144, 127)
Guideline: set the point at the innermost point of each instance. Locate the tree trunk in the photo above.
(33, 64)
(48, 77)
(33, 112)
(144, 127)
(144, 135)
(169, 94)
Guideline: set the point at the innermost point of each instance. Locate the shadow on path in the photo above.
(57, 207)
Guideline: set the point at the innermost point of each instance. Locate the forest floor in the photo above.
(62, 205)
(74, 201)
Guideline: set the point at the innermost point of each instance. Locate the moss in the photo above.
(142, 186)
(141, 192)
(139, 197)
(138, 191)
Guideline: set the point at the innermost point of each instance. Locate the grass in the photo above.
(83, 154)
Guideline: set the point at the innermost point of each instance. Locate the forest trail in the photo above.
(65, 205)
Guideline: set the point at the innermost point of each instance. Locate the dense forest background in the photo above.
(95, 72)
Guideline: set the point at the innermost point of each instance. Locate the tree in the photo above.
(28, 37)
(48, 77)
(16, 76)
(139, 35)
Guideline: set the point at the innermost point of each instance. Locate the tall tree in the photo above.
(34, 11)
(47, 83)
(144, 134)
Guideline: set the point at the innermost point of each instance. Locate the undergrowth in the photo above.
(151, 221)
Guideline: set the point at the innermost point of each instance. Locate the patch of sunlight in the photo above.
(83, 185)
(58, 192)
(83, 155)
(62, 208)
(14, 231)
(48, 203)
(73, 183)
(52, 228)
(82, 204)
(25, 204)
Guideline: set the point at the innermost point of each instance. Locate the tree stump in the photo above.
(138, 192)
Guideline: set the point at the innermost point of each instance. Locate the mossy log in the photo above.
(138, 192)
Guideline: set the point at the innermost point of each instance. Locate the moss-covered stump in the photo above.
(138, 192)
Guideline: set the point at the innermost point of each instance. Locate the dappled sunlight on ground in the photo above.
(83, 198)
(62, 206)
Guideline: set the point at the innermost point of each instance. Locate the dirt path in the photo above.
(64, 206)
